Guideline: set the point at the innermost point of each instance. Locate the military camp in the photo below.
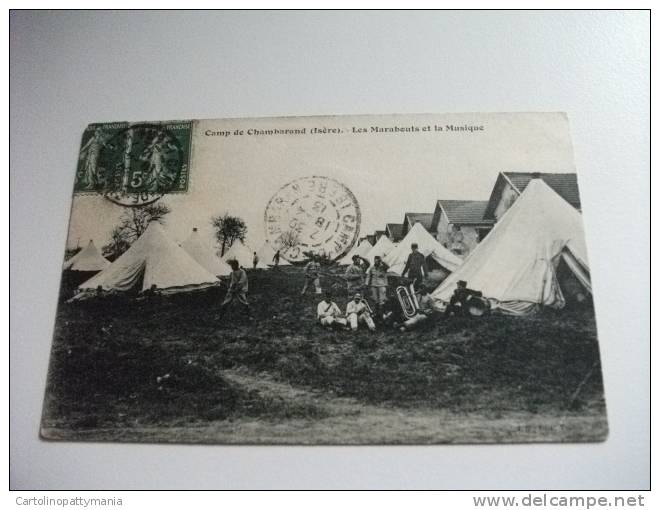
(478, 316)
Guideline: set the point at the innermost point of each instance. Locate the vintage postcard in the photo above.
(391, 279)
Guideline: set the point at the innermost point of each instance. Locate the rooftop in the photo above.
(465, 211)
(426, 219)
(394, 231)
(564, 184)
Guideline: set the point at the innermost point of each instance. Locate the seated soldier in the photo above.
(392, 313)
(357, 312)
(328, 313)
(458, 303)
(425, 309)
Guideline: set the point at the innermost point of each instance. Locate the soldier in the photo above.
(458, 302)
(416, 266)
(354, 274)
(377, 281)
(328, 313)
(312, 270)
(425, 309)
(238, 288)
(357, 312)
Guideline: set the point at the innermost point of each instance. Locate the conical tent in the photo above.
(87, 259)
(361, 249)
(515, 265)
(266, 254)
(382, 247)
(204, 254)
(154, 259)
(243, 254)
(427, 246)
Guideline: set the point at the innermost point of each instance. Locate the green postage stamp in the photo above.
(381, 279)
(134, 164)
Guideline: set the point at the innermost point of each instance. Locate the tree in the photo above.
(228, 230)
(70, 252)
(289, 239)
(117, 245)
(133, 222)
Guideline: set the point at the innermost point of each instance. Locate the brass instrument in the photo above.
(366, 303)
(407, 300)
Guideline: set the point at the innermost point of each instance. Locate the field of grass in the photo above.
(167, 368)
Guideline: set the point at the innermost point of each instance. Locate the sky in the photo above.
(389, 173)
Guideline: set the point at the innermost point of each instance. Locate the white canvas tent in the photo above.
(361, 249)
(515, 265)
(154, 259)
(266, 254)
(87, 259)
(427, 246)
(382, 247)
(204, 254)
(243, 254)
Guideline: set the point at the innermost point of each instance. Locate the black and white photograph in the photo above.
(338, 248)
(395, 279)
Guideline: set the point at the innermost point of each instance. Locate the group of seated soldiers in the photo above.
(358, 311)
(387, 307)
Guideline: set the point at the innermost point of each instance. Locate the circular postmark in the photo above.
(138, 165)
(312, 214)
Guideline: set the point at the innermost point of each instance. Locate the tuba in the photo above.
(407, 300)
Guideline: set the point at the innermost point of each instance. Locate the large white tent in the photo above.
(203, 252)
(243, 254)
(515, 266)
(361, 249)
(88, 259)
(266, 254)
(382, 247)
(154, 259)
(427, 245)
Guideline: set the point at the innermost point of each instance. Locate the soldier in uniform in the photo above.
(416, 267)
(312, 275)
(354, 274)
(328, 313)
(458, 303)
(425, 310)
(238, 288)
(377, 281)
(357, 313)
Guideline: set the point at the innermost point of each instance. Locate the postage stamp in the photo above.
(316, 214)
(134, 164)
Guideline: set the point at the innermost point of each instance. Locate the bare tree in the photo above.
(289, 239)
(117, 245)
(133, 222)
(228, 230)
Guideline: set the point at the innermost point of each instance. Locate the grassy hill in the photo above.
(166, 368)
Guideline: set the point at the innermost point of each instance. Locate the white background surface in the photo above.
(69, 69)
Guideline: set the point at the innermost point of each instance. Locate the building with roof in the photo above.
(393, 231)
(509, 186)
(459, 225)
(370, 238)
(409, 219)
